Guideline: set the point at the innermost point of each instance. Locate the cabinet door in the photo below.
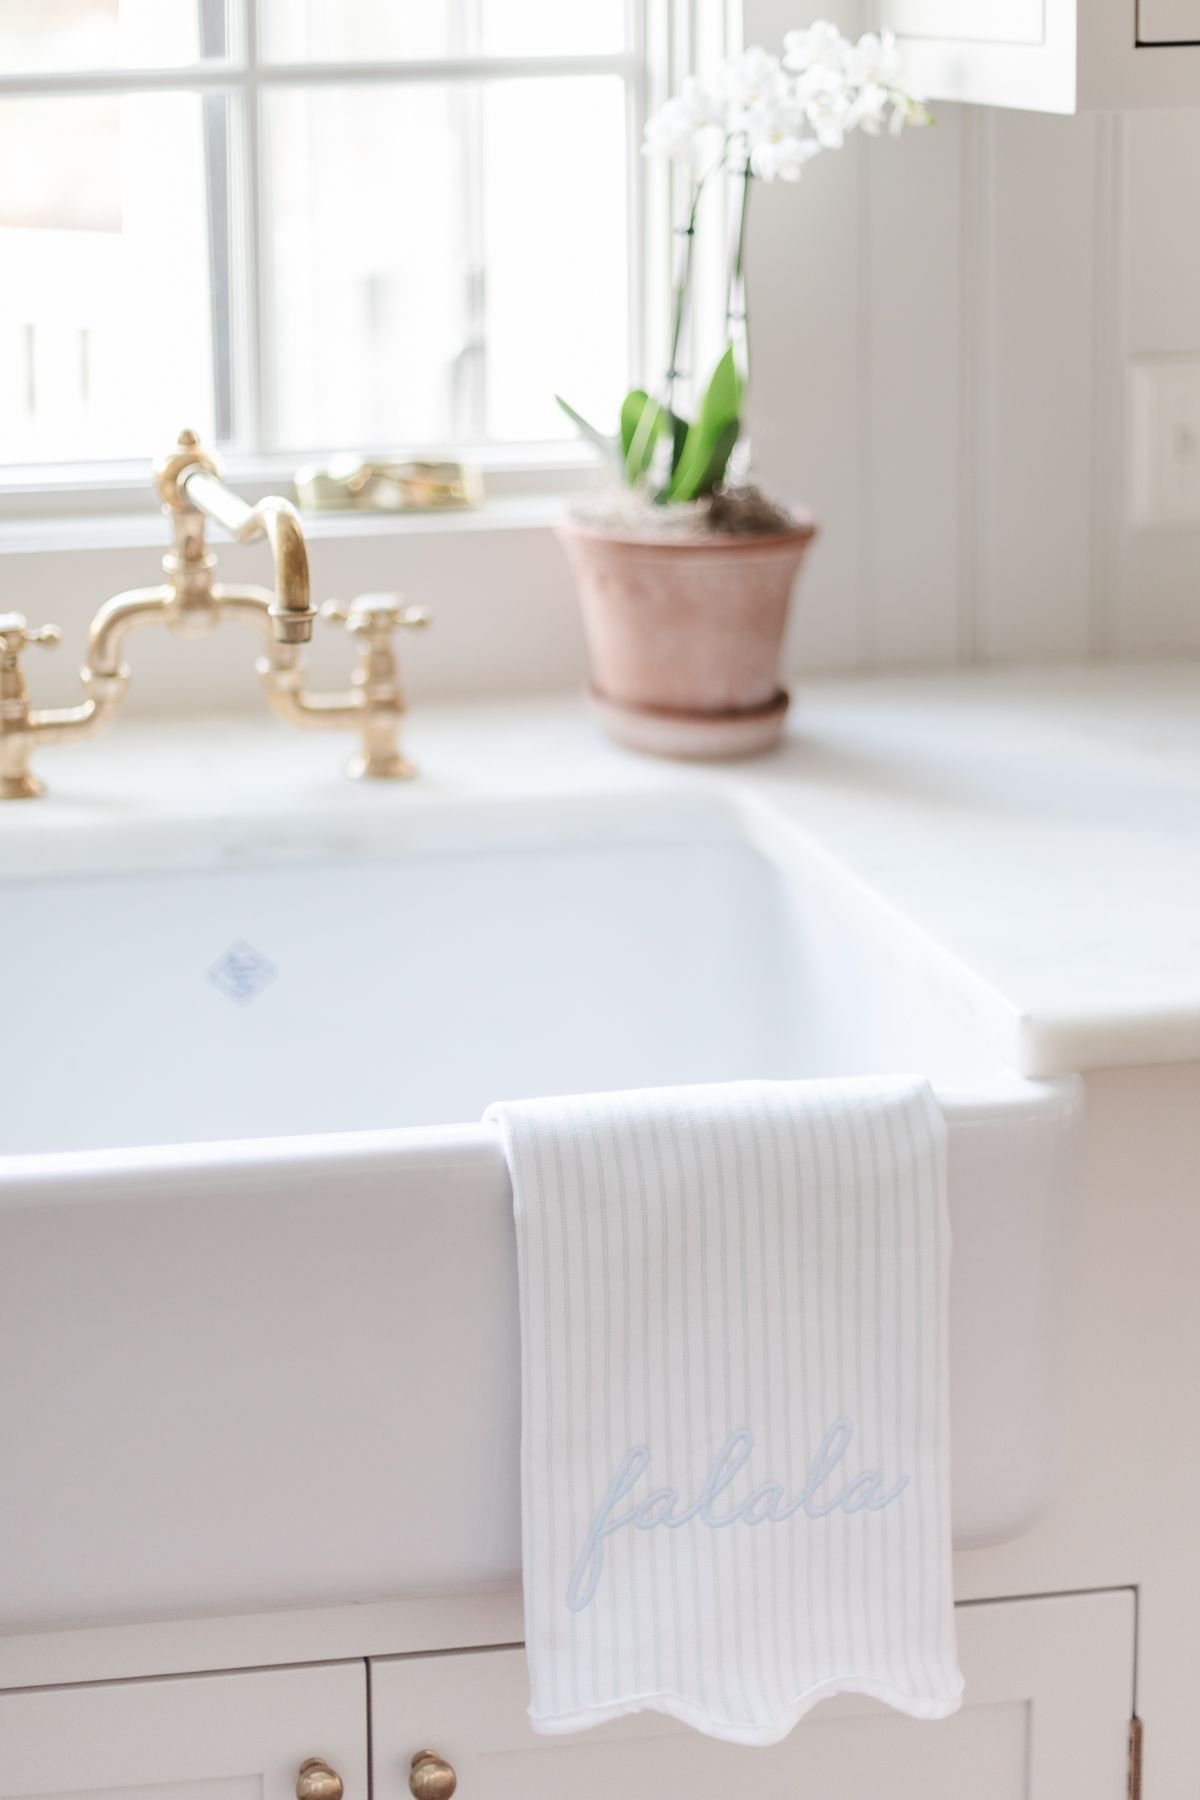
(1168, 21)
(201, 1737)
(1048, 55)
(1049, 1690)
(994, 52)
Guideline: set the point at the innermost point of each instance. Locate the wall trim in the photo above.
(1108, 423)
(977, 375)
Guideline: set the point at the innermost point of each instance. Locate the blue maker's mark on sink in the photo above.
(242, 973)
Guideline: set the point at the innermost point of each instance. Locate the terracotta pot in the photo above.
(687, 634)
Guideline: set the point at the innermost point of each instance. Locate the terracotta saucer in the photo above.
(660, 731)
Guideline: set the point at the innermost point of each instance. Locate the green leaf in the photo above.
(609, 447)
(642, 421)
(710, 440)
(679, 431)
(714, 469)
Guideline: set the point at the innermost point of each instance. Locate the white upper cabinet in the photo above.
(1050, 55)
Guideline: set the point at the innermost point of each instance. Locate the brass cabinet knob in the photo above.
(430, 1778)
(317, 1781)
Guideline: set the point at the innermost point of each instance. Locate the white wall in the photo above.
(944, 327)
(942, 334)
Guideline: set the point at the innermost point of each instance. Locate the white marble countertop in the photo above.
(1035, 834)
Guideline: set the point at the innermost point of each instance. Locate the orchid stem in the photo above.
(684, 278)
(735, 292)
(682, 285)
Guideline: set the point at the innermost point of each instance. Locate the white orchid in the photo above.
(822, 88)
(907, 109)
(828, 104)
(875, 59)
(763, 117)
(799, 114)
(681, 127)
(821, 46)
(752, 79)
(875, 70)
(869, 109)
(783, 154)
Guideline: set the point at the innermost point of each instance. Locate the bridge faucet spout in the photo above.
(189, 481)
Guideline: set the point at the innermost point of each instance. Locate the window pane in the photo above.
(367, 258)
(552, 27)
(105, 330)
(316, 30)
(105, 34)
(434, 271)
(556, 252)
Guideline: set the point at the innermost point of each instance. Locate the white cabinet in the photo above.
(200, 1737)
(1049, 1695)
(1050, 55)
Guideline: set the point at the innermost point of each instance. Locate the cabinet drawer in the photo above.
(198, 1737)
(1049, 1688)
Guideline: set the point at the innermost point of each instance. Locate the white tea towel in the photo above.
(735, 1455)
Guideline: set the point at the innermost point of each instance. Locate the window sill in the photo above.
(111, 507)
(148, 530)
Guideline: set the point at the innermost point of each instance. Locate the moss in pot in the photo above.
(685, 576)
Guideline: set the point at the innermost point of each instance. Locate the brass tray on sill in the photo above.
(350, 483)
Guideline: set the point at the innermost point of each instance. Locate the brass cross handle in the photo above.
(431, 1778)
(375, 615)
(317, 1781)
(16, 632)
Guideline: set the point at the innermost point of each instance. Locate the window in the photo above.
(305, 225)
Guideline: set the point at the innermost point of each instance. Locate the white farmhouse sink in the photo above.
(258, 1317)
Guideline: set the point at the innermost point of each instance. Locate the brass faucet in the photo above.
(191, 604)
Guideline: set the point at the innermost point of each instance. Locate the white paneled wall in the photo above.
(944, 333)
(1156, 598)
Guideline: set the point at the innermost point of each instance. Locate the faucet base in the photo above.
(362, 767)
(21, 787)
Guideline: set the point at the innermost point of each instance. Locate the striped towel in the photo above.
(735, 1458)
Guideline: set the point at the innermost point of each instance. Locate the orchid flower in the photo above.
(773, 114)
(762, 117)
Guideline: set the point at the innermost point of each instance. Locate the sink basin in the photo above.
(256, 1256)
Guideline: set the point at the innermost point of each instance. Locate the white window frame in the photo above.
(665, 39)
